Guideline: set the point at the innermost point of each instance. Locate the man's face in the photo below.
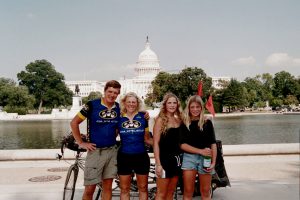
(111, 94)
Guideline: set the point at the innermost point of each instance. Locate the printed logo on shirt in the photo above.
(138, 117)
(108, 114)
(85, 108)
(131, 125)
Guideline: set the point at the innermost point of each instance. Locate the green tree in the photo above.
(6, 86)
(276, 102)
(6, 82)
(298, 88)
(259, 88)
(218, 99)
(46, 84)
(285, 84)
(187, 81)
(15, 98)
(259, 104)
(268, 84)
(92, 95)
(291, 100)
(254, 89)
(234, 95)
(160, 85)
(183, 84)
(251, 97)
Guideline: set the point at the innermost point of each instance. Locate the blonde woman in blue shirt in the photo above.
(132, 156)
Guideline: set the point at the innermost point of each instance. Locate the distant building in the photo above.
(86, 87)
(217, 82)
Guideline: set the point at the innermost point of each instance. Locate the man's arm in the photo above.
(76, 133)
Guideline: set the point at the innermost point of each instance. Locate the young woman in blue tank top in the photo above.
(132, 156)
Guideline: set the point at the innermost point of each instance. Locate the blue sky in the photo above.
(101, 40)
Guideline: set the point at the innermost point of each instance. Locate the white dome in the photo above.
(148, 64)
(146, 68)
(147, 54)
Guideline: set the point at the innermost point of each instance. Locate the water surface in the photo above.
(254, 129)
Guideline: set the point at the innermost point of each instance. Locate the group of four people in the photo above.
(180, 142)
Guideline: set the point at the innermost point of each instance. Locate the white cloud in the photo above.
(249, 61)
(282, 60)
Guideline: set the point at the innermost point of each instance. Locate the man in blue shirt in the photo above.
(101, 161)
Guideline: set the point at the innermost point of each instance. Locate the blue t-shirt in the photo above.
(132, 133)
(102, 122)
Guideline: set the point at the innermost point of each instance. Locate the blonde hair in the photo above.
(187, 115)
(163, 111)
(123, 101)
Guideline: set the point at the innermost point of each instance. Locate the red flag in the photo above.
(210, 106)
(200, 84)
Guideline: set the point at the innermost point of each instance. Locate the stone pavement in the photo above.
(268, 176)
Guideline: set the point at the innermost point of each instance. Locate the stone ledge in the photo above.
(228, 150)
(261, 149)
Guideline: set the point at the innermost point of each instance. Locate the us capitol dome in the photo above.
(147, 67)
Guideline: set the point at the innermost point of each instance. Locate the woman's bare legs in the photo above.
(166, 188)
(189, 177)
(142, 183)
(125, 181)
(205, 184)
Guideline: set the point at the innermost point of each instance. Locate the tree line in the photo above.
(40, 88)
(253, 92)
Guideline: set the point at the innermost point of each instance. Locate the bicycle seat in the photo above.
(70, 142)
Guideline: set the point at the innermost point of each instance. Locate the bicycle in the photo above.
(72, 174)
(79, 163)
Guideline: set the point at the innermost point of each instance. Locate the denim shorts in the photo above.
(194, 161)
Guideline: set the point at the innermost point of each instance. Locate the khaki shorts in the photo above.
(100, 164)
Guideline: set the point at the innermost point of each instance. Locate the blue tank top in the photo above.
(132, 133)
(102, 122)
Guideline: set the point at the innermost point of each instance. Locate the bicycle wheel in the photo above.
(211, 192)
(98, 192)
(152, 193)
(70, 183)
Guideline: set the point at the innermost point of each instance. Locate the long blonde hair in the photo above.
(123, 101)
(163, 111)
(187, 115)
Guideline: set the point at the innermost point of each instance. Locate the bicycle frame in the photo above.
(72, 175)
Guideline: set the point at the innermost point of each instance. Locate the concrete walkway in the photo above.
(256, 175)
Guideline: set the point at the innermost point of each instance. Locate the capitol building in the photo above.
(146, 69)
